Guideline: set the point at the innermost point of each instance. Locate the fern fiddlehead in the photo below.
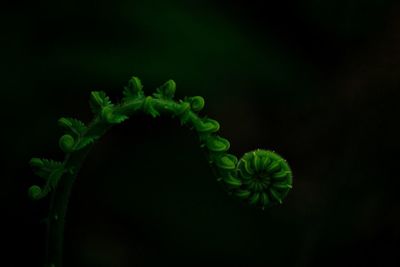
(261, 178)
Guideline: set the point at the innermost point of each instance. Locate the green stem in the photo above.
(58, 209)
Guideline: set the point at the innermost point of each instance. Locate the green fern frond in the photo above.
(85, 141)
(261, 178)
(166, 91)
(134, 90)
(43, 167)
(73, 125)
(98, 101)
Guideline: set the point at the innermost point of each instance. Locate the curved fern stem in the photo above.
(261, 178)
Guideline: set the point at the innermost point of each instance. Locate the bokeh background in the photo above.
(316, 81)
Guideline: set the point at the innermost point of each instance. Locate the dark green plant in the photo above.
(261, 178)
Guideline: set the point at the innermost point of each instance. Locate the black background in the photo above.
(316, 81)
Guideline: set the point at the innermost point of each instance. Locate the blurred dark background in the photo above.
(316, 81)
